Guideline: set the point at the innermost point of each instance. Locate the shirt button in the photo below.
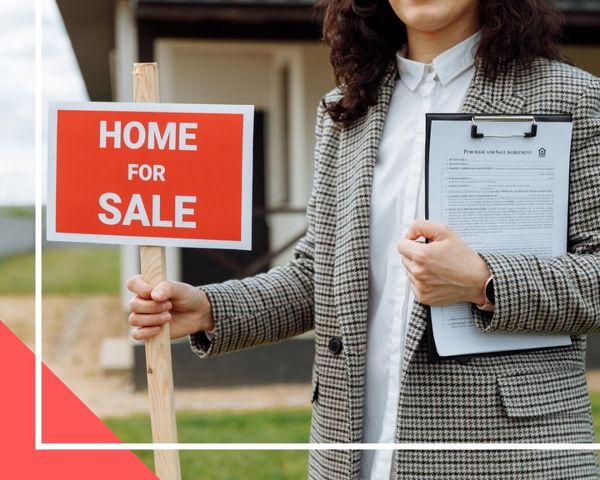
(335, 345)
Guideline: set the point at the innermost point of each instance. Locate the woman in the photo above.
(372, 380)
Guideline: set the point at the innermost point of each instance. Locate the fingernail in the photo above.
(159, 294)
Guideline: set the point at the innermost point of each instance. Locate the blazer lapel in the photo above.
(483, 96)
(357, 155)
(495, 97)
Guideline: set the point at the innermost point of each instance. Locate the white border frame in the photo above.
(317, 446)
(247, 111)
(195, 446)
(38, 221)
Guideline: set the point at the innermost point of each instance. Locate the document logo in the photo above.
(542, 152)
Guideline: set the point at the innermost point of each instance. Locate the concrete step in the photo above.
(116, 355)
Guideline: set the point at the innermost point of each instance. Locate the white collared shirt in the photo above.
(397, 199)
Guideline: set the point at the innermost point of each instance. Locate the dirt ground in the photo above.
(73, 329)
(593, 379)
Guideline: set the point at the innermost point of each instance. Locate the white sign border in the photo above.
(247, 111)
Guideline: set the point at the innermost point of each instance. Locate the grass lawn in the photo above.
(17, 274)
(278, 426)
(281, 426)
(64, 271)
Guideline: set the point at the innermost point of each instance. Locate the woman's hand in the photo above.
(445, 270)
(185, 307)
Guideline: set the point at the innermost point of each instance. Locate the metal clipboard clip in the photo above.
(507, 118)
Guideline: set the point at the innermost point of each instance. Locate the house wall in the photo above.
(200, 71)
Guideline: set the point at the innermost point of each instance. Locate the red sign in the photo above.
(151, 174)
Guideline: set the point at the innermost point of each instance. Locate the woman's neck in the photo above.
(425, 46)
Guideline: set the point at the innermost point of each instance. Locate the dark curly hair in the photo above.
(364, 36)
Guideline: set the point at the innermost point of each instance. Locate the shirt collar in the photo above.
(447, 65)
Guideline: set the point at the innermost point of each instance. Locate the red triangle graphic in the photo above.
(65, 419)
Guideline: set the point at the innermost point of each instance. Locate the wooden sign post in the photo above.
(155, 174)
(158, 348)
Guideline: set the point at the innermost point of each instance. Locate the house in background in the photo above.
(261, 52)
(264, 53)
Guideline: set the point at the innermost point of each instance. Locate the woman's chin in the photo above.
(425, 20)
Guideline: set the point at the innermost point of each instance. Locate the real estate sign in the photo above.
(151, 174)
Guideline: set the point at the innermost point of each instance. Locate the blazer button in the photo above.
(335, 345)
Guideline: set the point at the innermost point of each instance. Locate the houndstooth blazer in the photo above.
(536, 397)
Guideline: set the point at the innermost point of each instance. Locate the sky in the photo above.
(61, 81)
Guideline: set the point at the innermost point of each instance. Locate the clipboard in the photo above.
(480, 127)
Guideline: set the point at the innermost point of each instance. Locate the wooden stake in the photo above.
(158, 348)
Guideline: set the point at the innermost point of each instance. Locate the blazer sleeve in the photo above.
(558, 294)
(268, 307)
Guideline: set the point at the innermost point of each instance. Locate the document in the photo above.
(502, 193)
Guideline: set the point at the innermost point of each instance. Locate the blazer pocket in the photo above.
(543, 393)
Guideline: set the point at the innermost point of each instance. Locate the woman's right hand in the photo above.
(184, 307)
